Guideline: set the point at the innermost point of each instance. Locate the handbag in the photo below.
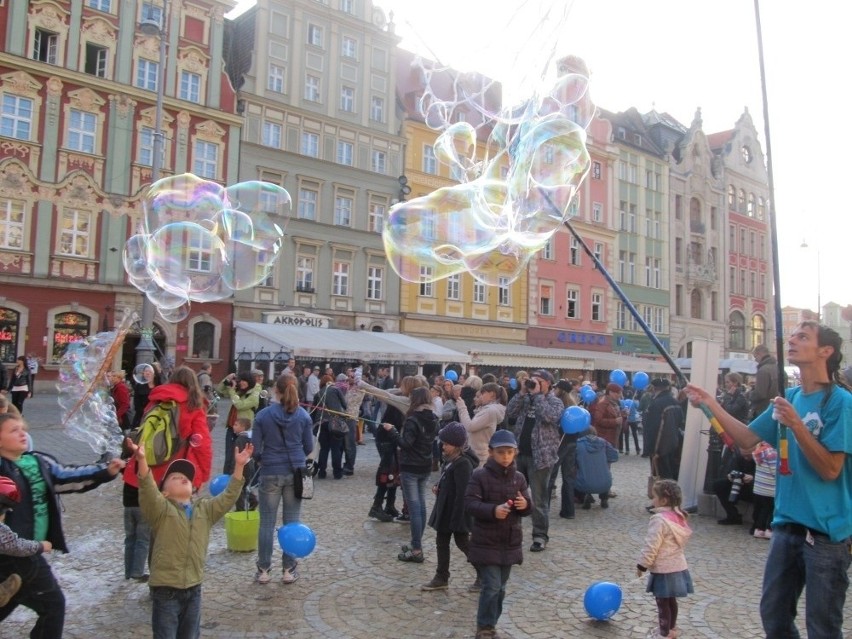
(338, 425)
(303, 484)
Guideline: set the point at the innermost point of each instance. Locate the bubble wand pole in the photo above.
(726, 439)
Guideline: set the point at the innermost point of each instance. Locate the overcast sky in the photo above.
(675, 56)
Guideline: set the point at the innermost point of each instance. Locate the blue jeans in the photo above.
(275, 489)
(791, 566)
(539, 481)
(414, 493)
(137, 537)
(176, 612)
(493, 580)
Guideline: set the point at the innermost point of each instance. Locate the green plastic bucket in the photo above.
(241, 530)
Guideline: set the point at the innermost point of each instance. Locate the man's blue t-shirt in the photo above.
(803, 497)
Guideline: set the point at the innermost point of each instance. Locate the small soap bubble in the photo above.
(143, 373)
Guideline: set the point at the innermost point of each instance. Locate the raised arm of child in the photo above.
(241, 458)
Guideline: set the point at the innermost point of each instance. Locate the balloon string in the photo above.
(316, 407)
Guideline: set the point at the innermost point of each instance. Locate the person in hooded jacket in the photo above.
(594, 455)
(415, 464)
(490, 402)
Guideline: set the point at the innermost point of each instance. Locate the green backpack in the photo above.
(158, 433)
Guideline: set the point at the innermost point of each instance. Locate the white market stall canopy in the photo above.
(332, 344)
(735, 365)
(532, 357)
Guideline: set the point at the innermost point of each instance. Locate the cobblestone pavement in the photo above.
(353, 585)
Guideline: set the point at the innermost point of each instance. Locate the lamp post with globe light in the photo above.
(152, 27)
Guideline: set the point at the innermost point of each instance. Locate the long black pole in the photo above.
(773, 227)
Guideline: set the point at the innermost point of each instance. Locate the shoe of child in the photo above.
(290, 575)
(9, 588)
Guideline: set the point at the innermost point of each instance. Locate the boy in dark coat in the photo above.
(496, 497)
(449, 518)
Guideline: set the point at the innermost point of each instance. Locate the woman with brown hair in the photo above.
(283, 437)
(20, 384)
(490, 402)
(329, 403)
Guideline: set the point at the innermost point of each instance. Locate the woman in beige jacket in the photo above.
(491, 408)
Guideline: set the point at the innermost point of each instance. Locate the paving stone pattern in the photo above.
(354, 586)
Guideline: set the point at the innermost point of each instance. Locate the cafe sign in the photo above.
(297, 318)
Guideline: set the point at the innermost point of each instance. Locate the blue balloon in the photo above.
(618, 376)
(602, 600)
(627, 403)
(575, 419)
(640, 380)
(296, 539)
(218, 484)
(451, 375)
(588, 394)
(513, 384)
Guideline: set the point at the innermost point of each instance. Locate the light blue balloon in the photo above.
(297, 539)
(218, 484)
(513, 384)
(618, 376)
(640, 380)
(451, 375)
(575, 419)
(602, 600)
(588, 394)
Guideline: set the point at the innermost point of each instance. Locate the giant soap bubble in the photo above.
(517, 189)
(201, 241)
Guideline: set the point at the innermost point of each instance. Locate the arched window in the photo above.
(758, 330)
(736, 331)
(750, 206)
(732, 197)
(761, 208)
(741, 201)
(10, 323)
(695, 304)
(67, 329)
(203, 336)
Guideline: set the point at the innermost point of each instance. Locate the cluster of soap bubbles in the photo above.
(84, 389)
(201, 241)
(510, 200)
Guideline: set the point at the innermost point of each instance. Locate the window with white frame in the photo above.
(545, 300)
(504, 297)
(146, 146)
(660, 320)
(347, 6)
(315, 35)
(199, 251)
(596, 170)
(349, 47)
(343, 209)
(190, 87)
(11, 224)
(82, 127)
(377, 216)
(427, 286)
(454, 287)
(151, 12)
(622, 266)
(547, 249)
(17, 117)
(45, 46)
(597, 307)
(75, 232)
(480, 293)
(100, 5)
(377, 109)
(375, 282)
(574, 252)
(631, 268)
(620, 317)
(305, 274)
(598, 251)
(308, 198)
(310, 144)
(379, 162)
(430, 162)
(572, 303)
(648, 262)
(656, 276)
(312, 88)
(647, 314)
(147, 74)
(272, 135)
(347, 99)
(275, 78)
(631, 219)
(340, 279)
(428, 224)
(206, 161)
(597, 212)
(345, 152)
(95, 62)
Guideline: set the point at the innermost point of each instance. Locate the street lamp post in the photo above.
(145, 349)
(804, 245)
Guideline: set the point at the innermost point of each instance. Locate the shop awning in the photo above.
(735, 365)
(531, 357)
(331, 344)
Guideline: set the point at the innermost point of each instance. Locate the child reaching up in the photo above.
(496, 497)
(663, 555)
(181, 534)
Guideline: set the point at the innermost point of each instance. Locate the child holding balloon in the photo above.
(181, 530)
(662, 555)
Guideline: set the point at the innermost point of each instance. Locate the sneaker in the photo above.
(263, 576)
(758, 534)
(537, 546)
(435, 584)
(402, 519)
(9, 588)
(290, 575)
(476, 586)
(379, 515)
(767, 534)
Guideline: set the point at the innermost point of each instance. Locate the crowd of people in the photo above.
(500, 448)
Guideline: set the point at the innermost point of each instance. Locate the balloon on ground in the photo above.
(602, 600)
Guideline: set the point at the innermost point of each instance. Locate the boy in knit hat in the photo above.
(449, 518)
(496, 497)
(180, 536)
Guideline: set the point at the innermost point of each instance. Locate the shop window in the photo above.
(203, 335)
(67, 329)
(10, 322)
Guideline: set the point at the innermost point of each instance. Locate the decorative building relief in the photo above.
(98, 31)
